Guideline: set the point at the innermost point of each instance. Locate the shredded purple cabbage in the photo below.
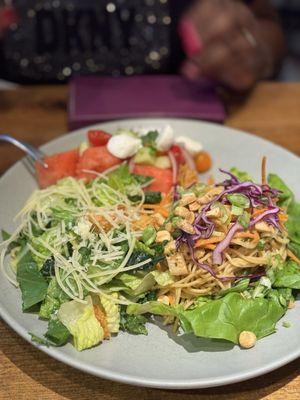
(176, 195)
(268, 213)
(250, 276)
(258, 195)
(217, 256)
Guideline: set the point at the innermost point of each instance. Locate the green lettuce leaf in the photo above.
(281, 295)
(120, 178)
(5, 235)
(241, 175)
(81, 322)
(149, 235)
(286, 196)
(293, 222)
(57, 333)
(49, 237)
(32, 283)
(239, 287)
(152, 307)
(163, 278)
(134, 324)
(288, 276)
(53, 300)
(228, 316)
(295, 248)
(224, 318)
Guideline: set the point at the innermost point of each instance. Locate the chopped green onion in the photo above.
(244, 220)
(239, 200)
(149, 235)
(286, 324)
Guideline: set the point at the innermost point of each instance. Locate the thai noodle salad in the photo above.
(116, 248)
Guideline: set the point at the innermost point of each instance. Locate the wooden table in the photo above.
(38, 114)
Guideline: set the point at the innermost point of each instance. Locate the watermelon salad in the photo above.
(155, 153)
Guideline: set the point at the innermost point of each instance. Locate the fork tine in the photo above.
(31, 151)
(29, 165)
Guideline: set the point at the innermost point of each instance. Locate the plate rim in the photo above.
(104, 373)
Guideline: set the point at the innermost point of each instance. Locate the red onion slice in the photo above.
(174, 167)
(188, 158)
(131, 165)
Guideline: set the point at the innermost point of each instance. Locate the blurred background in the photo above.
(289, 12)
(49, 41)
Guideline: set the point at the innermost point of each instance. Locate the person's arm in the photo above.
(239, 44)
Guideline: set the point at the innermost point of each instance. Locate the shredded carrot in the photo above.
(209, 243)
(283, 217)
(210, 246)
(171, 299)
(258, 212)
(293, 257)
(251, 235)
(205, 242)
(210, 180)
(161, 207)
(157, 208)
(167, 199)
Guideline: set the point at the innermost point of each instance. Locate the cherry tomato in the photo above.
(203, 161)
(98, 137)
(179, 157)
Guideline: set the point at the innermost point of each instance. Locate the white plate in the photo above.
(160, 359)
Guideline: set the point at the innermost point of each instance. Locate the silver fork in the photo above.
(32, 152)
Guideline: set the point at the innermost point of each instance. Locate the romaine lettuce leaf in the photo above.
(137, 284)
(153, 307)
(112, 311)
(32, 283)
(162, 278)
(80, 320)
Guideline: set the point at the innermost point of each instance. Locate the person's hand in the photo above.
(224, 42)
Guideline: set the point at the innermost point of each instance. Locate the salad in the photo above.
(122, 230)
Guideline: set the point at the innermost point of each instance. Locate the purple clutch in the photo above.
(96, 99)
